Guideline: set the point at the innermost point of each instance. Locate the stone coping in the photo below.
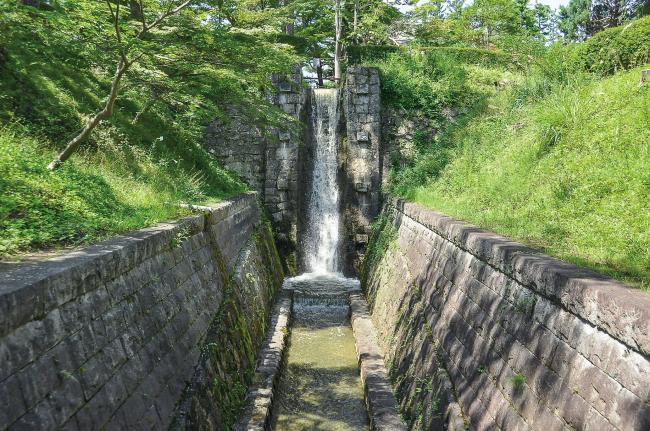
(256, 412)
(616, 308)
(31, 289)
(380, 400)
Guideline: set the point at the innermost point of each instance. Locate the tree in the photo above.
(374, 22)
(338, 44)
(545, 21)
(129, 53)
(574, 20)
(491, 17)
(612, 13)
(526, 16)
(581, 19)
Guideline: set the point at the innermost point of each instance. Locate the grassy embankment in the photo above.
(560, 159)
(125, 177)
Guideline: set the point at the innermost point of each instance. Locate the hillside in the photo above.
(558, 159)
(568, 174)
(136, 167)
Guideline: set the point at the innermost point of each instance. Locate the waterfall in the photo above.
(322, 240)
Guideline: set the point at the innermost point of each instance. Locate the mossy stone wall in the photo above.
(122, 334)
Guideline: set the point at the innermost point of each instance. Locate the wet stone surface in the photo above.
(320, 388)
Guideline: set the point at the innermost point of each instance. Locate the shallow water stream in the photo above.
(320, 388)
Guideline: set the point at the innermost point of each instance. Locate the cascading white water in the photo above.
(322, 343)
(322, 239)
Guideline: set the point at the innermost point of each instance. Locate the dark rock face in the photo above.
(480, 329)
(109, 336)
(361, 161)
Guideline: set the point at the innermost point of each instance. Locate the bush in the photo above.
(369, 53)
(618, 48)
(361, 53)
(427, 81)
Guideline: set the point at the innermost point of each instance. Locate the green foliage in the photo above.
(381, 239)
(431, 82)
(618, 48)
(358, 54)
(90, 198)
(375, 21)
(563, 169)
(574, 19)
(56, 66)
(489, 17)
(518, 381)
(363, 53)
(424, 80)
(581, 19)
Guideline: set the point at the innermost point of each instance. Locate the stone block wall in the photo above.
(109, 336)
(362, 163)
(482, 330)
(402, 131)
(282, 190)
(239, 145)
(279, 166)
(270, 163)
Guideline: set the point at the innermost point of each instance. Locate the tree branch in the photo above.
(122, 67)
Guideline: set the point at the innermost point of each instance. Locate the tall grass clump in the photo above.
(565, 171)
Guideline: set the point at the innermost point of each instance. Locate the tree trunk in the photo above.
(319, 72)
(136, 10)
(104, 114)
(337, 45)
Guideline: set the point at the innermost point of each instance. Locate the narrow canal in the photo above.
(320, 388)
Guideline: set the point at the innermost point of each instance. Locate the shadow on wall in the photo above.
(516, 357)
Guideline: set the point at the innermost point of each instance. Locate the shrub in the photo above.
(369, 53)
(425, 80)
(618, 48)
(360, 53)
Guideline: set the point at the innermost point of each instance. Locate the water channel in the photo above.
(320, 388)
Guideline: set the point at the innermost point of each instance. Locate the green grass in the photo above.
(565, 168)
(125, 177)
(96, 195)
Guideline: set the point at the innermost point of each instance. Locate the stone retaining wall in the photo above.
(269, 160)
(109, 336)
(360, 156)
(483, 330)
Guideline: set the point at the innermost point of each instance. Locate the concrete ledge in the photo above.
(619, 310)
(380, 400)
(259, 400)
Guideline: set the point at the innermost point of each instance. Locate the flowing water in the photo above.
(322, 239)
(320, 388)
